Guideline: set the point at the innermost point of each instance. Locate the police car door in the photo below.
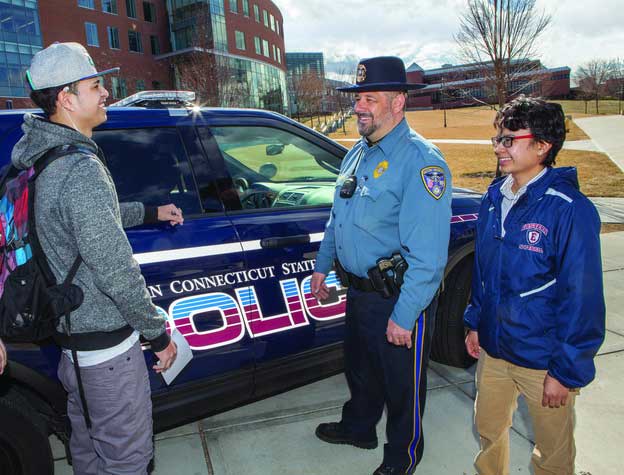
(278, 188)
(188, 268)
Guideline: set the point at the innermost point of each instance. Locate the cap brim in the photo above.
(381, 86)
(99, 73)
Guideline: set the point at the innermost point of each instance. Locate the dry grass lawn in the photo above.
(474, 123)
(473, 167)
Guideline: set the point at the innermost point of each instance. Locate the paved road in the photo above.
(607, 132)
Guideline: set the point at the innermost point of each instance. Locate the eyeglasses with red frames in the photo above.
(507, 140)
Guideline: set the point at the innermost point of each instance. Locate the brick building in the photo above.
(465, 85)
(238, 45)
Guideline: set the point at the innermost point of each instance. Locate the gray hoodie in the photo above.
(77, 212)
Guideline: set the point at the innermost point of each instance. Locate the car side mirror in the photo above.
(274, 149)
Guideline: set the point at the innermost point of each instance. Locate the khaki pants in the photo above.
(498, 385)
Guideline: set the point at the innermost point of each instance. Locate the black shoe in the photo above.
(384, 469)
(335, 433)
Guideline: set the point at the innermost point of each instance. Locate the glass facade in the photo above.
(250, 83)
(198, 23)
(20, 39)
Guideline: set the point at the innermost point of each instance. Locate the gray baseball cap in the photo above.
(62, 63)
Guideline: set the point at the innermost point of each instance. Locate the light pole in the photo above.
(443, 97)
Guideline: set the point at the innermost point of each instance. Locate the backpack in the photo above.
(31, 301)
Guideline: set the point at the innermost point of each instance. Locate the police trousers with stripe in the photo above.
(380, 373)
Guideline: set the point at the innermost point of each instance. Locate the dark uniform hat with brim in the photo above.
(382, 73)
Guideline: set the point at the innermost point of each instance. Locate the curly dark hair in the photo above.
(46, 98)
(545, 120)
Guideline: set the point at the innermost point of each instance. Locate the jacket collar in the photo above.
(533, 192)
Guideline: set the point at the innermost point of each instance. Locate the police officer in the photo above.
(393, 196)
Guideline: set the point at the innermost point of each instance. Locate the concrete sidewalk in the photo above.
(607, 133)
(276, 436)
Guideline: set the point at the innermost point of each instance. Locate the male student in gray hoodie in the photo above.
(77, 213)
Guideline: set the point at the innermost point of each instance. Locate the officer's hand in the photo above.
(170, 213)
(3, 357)
(555, 393)
(319, 288)
(166, 357)
(398, 335)
(472, 344)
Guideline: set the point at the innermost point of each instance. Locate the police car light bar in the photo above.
(164, 98)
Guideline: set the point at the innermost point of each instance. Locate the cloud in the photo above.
(422, 31)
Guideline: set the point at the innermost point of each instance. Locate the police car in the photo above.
(256, 190)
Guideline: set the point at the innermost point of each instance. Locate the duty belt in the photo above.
(358, 283)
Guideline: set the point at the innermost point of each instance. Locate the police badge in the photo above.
(361, 73)
(434, 181)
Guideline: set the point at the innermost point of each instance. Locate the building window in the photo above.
(9, 104)
(234, 6)
(257, 45)
(155, 44)
(240, 39)
(87, 4)
(272, 22)
(92, 34)
(140, 85)
(131, 8)
(279, 55)
(149, 12)
(134, 41)
(113, 37)
(274, 53)
(156, 85)
(119, 87)
(257, 13)
(265, 14)
(277, 28)
(265, 48)
(109, 6)
(246, 8)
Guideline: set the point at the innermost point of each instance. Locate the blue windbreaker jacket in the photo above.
(537, 298)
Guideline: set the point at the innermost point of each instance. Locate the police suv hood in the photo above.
(40, 135)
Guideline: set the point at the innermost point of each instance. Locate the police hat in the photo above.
(382, 73)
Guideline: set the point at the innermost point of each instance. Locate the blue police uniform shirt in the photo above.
(402, 203)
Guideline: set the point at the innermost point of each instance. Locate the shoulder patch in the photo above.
(434, 180)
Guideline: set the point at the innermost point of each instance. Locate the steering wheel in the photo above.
(257, 199)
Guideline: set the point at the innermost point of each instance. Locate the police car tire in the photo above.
(448, 345)
(24, 445)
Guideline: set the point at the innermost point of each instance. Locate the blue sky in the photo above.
(422, 30)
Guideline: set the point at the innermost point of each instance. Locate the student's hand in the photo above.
(3, 357)
(166, 357)
(318, 286)
(170, 213)
(555, 393)
(472, 344)
(398, 335)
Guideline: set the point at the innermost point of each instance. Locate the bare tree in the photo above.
(501, 35)
(593, 78)
(213, 77)
(308, 90)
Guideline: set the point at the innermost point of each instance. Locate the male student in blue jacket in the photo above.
(536, 316)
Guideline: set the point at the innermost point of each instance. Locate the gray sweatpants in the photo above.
(118, 398)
